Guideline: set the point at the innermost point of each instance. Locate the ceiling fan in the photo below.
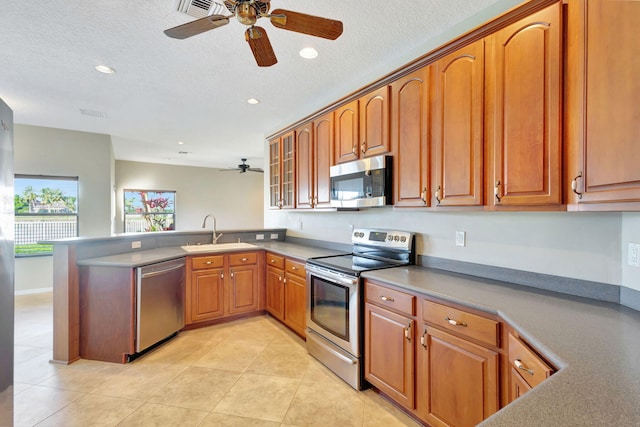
(248, 12)
(243, 167)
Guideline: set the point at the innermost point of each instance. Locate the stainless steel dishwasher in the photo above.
(160, 301)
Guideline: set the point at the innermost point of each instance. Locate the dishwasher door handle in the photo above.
(156, 273)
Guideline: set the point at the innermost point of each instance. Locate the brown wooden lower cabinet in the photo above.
(286, 291)
(527, 369)
(460, 380)
(223, 285)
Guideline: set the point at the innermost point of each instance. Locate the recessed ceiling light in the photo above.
(308, 53)
(104, 69)
(180, 143)
(253, 101)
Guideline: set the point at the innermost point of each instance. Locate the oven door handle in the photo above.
(328, 275)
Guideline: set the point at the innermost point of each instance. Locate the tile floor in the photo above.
(252, 372)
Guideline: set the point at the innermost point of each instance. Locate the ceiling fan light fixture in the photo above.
(246, 14)
(308, 53)
(105, 69)
(253, 101)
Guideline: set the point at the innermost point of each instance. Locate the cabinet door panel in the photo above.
(323, 135)
(288, 171)
(458, 127)
(275, 293)
(304, 167)
(274, 173)
(462, 378)
(410, 138)
(374, 123)
(207, 294)
(388, 354)
(526, 99)
(609, 151)
(243, 290)
(346, 132)
(295, 303)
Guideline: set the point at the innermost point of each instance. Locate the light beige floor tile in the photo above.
(281, 360)
(37, 403)
(151, 414)
(230, 355)
(35, 370)
(20, 387)
(76, 379)
(23, 353)
(138, 381)
(183, 349)
(92, 410)
(259, 396)
(222, 420)
(317, 405)
(196, 388)
(380, 413)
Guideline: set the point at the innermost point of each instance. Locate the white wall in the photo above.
(48, 151)
(630, 233)
(235, 199)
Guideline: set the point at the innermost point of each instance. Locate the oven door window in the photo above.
(330, 307)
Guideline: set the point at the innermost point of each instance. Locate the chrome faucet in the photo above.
(216, 236)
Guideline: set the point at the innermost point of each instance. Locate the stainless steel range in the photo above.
(335, 298)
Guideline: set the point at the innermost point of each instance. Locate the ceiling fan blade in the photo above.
(196, 27)
(307, 24)
(255, 170)
(260, 46)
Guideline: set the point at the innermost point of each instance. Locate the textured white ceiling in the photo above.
(194, 90)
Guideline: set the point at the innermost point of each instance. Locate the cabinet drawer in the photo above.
(453, 319)
(390, 298)
(201, 262)
(295, 267)
(527, 363)
(243, 258)
(274, 260)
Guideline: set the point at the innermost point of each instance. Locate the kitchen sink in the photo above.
(218, 247)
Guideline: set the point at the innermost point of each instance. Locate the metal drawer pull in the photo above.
(454, 322)
(208, 262)
(383, 298)
(244, 259)
(273, 260)
(294, 268)
(522, 366)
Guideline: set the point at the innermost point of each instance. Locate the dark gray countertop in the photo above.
(139, 258)
(595, 345)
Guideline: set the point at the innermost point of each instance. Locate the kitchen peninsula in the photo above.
(593, 344)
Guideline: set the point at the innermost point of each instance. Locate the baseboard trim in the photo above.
(32, 291)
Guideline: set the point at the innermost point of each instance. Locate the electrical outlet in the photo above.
(259, 236)
(634, 254)
(274, 236)
(137, 244)
(461, 238)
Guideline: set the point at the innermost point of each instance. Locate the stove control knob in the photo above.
(361, 234)
(390, 238)
(355, 234)
(396, 238)
(403, 239)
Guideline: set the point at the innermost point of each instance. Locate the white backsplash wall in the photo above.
(570, 244)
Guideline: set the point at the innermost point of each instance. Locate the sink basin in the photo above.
(218, 247)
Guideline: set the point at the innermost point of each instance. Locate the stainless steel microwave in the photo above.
(361, 183)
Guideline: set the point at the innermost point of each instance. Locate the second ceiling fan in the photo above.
(248, 12)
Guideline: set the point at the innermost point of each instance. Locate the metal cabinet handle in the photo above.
(285, 281)
(222, 275)
(423, 339)
(574, 185)
(439, 194)
(522, 366)
(294, 268)
(232, 274)
(383, 298)
(454, 322)
(279, 278)
(354, 149)
(363, 147)
(209, 262)
(496, 191)
(407, 332)
(423, 195)
(244, 259)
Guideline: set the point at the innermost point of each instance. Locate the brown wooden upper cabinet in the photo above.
(603, 112)
(314, 154)
(362, 127)
(457, 127)
(281, 172)
(410, 138)
(524, 111)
